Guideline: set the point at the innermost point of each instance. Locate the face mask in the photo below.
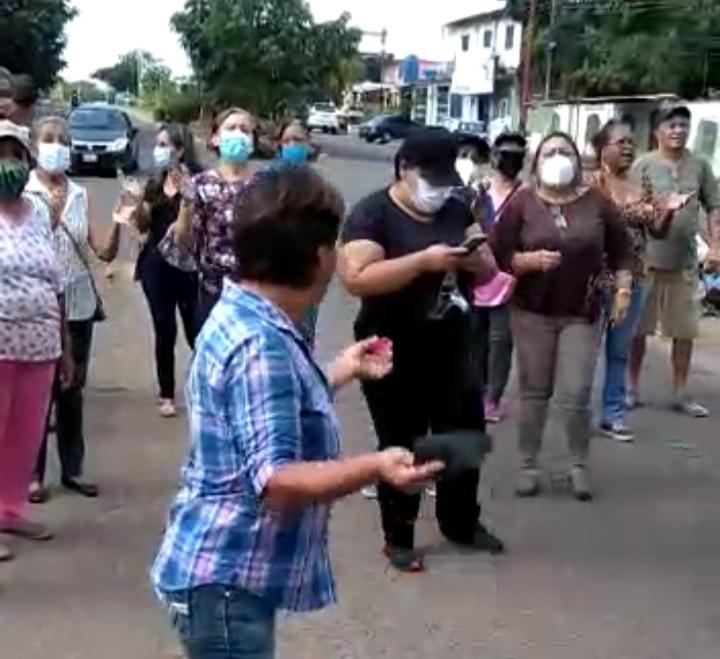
(466, 168)
(14, 175)
(54, 158)
(429, 199)
(509, 163)
(557, 171)
(295, 152)
(236, 147)
(164, 157)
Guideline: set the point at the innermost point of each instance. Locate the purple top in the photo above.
(213, 200)
(588, 232)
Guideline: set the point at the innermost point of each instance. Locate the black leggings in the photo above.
(68, 403)
(168, 290)
(430, 390)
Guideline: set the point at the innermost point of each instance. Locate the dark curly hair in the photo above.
(285, 216)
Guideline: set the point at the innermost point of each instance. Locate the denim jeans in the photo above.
(618, 340)
(221, 622)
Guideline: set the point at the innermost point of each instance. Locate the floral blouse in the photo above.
(213, 200)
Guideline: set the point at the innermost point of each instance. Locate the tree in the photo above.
(126, 74)
(615, 47)
(32, 37)
(266, 55)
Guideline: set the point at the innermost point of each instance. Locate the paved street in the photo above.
(633, 575)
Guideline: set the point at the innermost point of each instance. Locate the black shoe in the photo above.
(481, 540)
(89, 490)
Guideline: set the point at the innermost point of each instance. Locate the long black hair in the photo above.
(183, 140)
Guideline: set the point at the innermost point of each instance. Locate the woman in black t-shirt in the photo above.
(402, 257)
(166, 287)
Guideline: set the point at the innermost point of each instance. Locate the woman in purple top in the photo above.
(206, 214)
(556, 238)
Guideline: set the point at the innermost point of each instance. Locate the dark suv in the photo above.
(103, 139)
(387, 127)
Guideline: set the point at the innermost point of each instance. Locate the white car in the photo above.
(324, 117)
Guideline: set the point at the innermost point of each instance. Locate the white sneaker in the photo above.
(370, 492)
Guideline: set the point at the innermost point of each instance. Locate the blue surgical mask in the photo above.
(53, 157)
(296, 152)
(164, 157)
(236, 147)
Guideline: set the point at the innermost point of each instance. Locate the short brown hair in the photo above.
(286, 215)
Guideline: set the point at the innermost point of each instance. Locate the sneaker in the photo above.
(493, 412)
(580, 484)
(168, 409)
(24, 528)
(528, 482)
(479, 539)
(691, 408)
(370, 492)
(617, 431)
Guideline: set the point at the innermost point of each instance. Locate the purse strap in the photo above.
(81, 256)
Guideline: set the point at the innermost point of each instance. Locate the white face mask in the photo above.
(557, 171)
(429, 199)
(53, 157)
(466, 168)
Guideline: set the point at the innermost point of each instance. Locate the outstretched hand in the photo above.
(371, 359)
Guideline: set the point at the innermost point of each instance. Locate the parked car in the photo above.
(324, 117)
(103, 139)
(472, 128)
(387, 127)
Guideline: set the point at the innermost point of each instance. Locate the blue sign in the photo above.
(410, 69)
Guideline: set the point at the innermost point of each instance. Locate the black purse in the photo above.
(99, 316)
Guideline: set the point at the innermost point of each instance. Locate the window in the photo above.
(465, 42)
(706, 139)
(592, 128)
(456, 103)
(509, 37)
(443, 104)
(487, 39)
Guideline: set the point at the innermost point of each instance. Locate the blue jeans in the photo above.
(220, 622)
(617, 351)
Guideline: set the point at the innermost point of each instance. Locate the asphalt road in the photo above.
(354, 148)
(633, 575)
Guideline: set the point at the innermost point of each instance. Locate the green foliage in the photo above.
(615, 47)
(178, 105)
(32, 37)
(123, 75)
(266, 55)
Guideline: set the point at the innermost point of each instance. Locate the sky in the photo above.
(105, 29)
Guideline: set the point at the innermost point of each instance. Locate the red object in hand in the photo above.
(381, 346)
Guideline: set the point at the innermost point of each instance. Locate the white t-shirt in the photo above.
(30, 282)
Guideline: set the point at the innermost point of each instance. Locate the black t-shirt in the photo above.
(379, 219)
(164, 211)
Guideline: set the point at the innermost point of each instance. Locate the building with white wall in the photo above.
(486, 50)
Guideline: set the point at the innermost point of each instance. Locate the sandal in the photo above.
(5, 553)
(38, 494)
(24, 528)
(404, 560)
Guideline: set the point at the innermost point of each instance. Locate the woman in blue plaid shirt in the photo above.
(248, 531)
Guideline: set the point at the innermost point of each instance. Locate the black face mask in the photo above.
(509, 163)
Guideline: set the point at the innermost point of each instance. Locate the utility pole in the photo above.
(526, 90)
(552, 45)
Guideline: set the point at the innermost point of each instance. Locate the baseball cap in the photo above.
(434, 152)
(669, 111)
(10, 130)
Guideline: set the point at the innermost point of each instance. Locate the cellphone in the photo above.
(474, 242)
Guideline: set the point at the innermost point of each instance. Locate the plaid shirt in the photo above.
(258, 402)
